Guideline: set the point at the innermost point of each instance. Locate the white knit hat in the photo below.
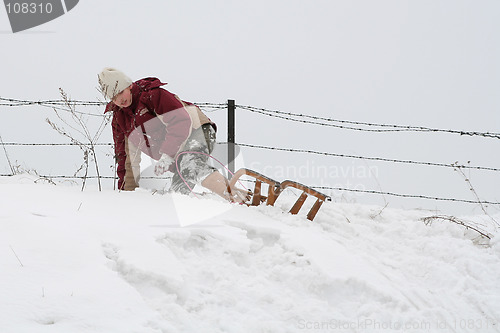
(113, 82)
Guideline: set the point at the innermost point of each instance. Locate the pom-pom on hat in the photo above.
(113, 82)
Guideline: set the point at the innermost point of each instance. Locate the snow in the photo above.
(90, 261)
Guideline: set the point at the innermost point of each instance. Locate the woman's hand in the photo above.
(163, 164)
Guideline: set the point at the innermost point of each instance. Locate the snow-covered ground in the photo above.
(92, 261)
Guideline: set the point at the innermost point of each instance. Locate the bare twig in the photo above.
(79, 126)
(7, 156)
(459, 169)
(373, 216)
(467, 224)
(16, 256)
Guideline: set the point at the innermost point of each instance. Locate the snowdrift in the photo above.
(91, 261)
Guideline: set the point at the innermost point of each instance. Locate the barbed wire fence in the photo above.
(293, 117)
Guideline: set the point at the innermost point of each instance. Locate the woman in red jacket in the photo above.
(150, 119)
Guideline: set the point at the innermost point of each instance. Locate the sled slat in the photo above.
(256, 193)
(306, 190)
(298, 204)
(275, 189)
(314, 210)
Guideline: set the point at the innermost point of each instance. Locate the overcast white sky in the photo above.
(430, 63)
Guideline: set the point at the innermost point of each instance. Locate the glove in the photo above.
(163, 164)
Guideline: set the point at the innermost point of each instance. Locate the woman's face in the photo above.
(123, 99)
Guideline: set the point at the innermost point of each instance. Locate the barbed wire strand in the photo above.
(341, 189)
(405, 195)
(82, 177)
(318, 123)
(18, 102)
(452, 165)
(53, 144)
(56, 104)
(393, 128)
(381, 159)
(271, 113)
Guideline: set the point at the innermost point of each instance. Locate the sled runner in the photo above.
(275, 188)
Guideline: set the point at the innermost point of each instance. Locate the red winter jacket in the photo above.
(157, 122)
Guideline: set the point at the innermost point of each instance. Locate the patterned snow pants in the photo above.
(194, 166)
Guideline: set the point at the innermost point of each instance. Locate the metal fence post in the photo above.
(230, 134)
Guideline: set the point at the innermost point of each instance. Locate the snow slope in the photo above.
(91, 261)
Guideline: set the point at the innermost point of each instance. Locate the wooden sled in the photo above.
(275, 188)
